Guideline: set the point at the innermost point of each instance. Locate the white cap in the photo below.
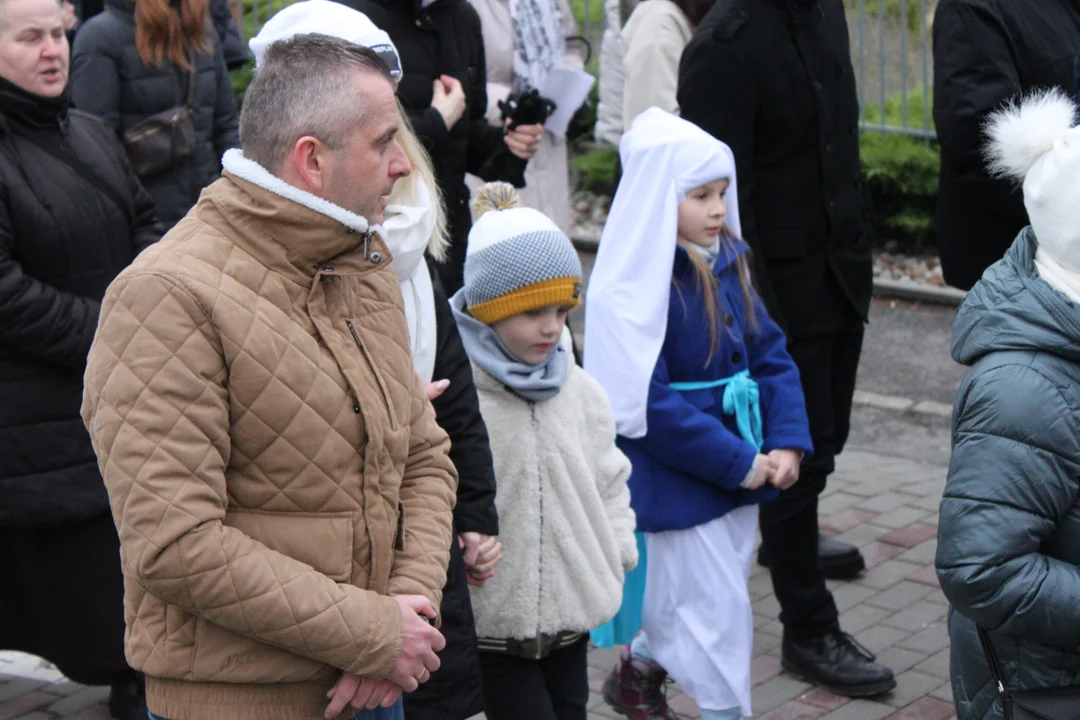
(1035, 142)
(325, 17)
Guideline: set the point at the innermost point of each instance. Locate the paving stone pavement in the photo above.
(885, 505)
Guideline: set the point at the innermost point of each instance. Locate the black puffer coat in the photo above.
(454, 691)
(445, 39)
(773, 80)
(987, 52)
(62, 241)
(109, 80)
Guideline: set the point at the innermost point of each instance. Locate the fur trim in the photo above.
(1021, 133)
(245, 169)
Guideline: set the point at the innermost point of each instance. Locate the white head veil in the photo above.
(663, 157)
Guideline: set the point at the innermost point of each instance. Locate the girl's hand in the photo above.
(764, 468)
(787, 468)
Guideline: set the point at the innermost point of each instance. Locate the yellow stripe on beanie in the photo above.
(556, 291)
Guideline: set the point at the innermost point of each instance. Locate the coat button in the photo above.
(376, 257)
(736, 357)
(729, 320)
(328, 269)
(818, 86)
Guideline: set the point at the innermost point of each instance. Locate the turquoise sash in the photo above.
(742, 398)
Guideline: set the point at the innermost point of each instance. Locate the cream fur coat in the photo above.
(564, 510)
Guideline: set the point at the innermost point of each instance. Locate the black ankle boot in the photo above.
(837, 663)
(127, 701)
(837, 560)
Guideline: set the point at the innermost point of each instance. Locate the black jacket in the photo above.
(773, 80)
(109, 80)
(445, 39)
(232, 44)
(987, 52)
(454, 691)
(62, 241)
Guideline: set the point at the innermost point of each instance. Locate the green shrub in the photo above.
(595, 169)
(241, 78)
(894, 110)
(902, 173)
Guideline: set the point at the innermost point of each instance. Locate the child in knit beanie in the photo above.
(561, 492)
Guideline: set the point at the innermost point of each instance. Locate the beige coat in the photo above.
(547, 175)
(653, 41)
(564, 506)
(273, 467)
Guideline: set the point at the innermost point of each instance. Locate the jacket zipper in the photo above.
(378, 378)
(540, 543)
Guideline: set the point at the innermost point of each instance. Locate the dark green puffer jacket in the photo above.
(1009, 536)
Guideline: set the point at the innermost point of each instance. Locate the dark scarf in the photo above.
(25, 109)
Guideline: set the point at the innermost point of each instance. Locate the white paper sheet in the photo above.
(569, 89)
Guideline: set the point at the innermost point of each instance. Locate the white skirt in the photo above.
(697, 614)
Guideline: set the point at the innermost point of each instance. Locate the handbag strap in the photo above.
(191, 83)
(992, 661)
(87, 174)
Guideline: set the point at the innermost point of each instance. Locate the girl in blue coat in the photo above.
(707, 404)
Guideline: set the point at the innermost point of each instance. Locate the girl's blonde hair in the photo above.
(424, 171)
(171, 30)
(705, 282)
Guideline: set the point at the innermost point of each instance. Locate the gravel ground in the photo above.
(590, 212)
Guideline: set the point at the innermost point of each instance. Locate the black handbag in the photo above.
(1062, 703)
(164, 140)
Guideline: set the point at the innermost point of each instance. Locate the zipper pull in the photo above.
(367, 237)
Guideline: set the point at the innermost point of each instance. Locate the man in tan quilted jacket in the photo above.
(282, 492)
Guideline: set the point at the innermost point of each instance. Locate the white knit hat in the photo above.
(1034, 142)
(517, 258)
(325, 17)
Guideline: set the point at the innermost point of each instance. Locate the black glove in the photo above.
(526, 108)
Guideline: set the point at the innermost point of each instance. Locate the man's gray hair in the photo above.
(304, 86)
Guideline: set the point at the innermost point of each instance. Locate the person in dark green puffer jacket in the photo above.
(1009, 534)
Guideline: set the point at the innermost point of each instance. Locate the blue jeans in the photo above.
(394, 712)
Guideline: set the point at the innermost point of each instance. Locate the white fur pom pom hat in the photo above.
(324, 17)
(1034, 142)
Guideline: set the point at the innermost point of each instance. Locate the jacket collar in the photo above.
(289, 237)
(30, 110)
(730, 250)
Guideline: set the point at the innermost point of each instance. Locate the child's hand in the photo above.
(764, 467)
(787, 468)
(482, 554)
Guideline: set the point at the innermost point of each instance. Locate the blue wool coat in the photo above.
(689, 465)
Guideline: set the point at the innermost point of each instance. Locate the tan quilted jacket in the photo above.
(273, 467)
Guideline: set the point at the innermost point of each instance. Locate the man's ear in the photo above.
(313, 163)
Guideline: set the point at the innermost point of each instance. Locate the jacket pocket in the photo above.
(376, 374)
(399, 536)
(324, 540)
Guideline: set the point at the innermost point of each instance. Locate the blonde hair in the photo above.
(705, 282)
(170, 31)
(423, 171)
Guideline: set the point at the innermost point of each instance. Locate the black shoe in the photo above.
(127, 701)
(837, 560)
(837, 663)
